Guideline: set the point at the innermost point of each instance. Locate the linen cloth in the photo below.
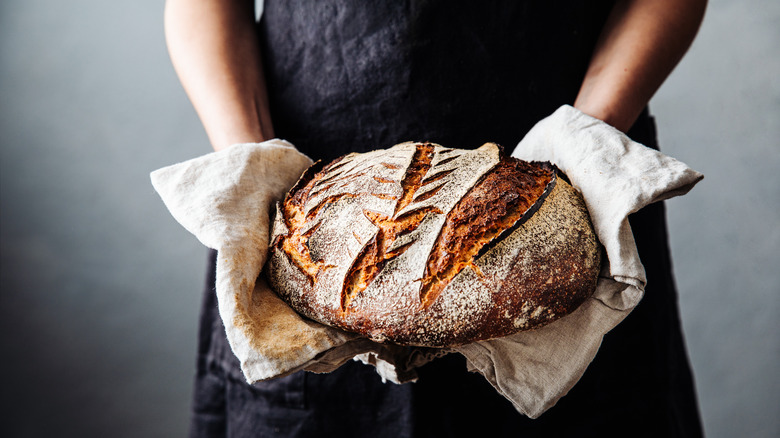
(224, 199)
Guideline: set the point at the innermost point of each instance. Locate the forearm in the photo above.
(214, 49)
(642, 41)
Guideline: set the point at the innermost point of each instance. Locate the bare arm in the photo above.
(214, 49)
(642, 41)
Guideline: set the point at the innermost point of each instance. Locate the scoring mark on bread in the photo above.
(436, 176)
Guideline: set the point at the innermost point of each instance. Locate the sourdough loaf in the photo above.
(425, 245)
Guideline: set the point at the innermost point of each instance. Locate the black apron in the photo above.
(353, 75)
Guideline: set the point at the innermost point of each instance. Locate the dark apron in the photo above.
(353, 75)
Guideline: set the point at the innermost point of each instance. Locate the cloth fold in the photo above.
(225, 199)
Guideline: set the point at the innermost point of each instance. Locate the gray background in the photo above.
(101, 288)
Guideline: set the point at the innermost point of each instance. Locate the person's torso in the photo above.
(348, 75)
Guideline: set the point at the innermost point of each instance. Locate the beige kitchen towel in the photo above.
(616, 177)
(224, 198)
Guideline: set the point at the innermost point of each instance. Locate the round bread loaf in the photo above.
(424, 245)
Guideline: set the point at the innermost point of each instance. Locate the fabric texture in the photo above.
(532, 369)
(616, 176)
(349, 76)
(224, 199)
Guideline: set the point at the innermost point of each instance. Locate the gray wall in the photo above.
(720, 113)
(101, 288)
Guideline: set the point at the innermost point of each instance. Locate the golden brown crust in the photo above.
(424, 245)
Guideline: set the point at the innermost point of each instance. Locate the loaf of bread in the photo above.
(424, 245)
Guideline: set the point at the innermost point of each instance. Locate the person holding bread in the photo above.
(340, 76)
